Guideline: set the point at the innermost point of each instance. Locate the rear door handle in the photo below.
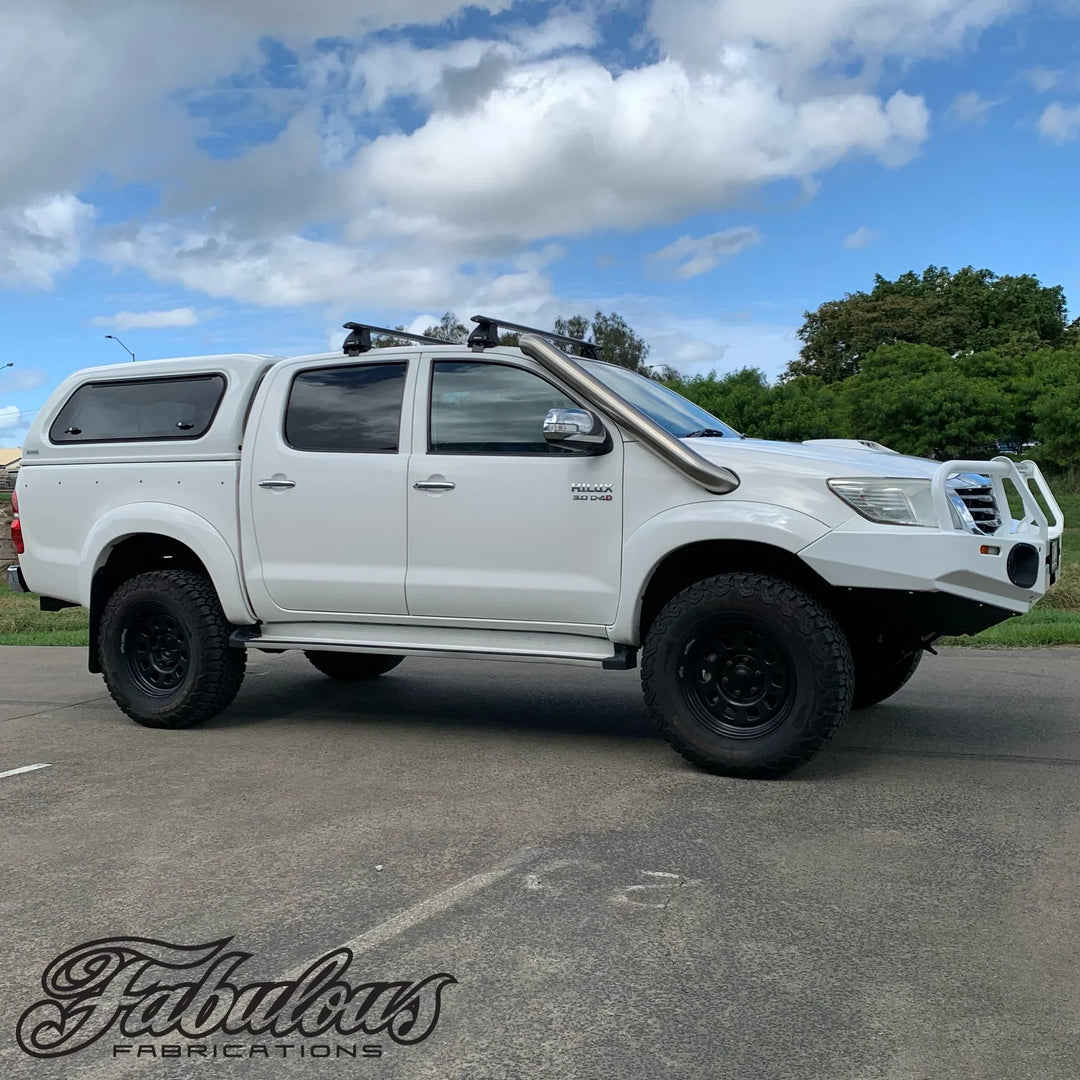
(434, 485)
(277, 485)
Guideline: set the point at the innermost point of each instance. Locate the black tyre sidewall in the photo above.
(822, 692)
(207, 639)
(875, 685)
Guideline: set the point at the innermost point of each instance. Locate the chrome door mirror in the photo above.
(573, 426)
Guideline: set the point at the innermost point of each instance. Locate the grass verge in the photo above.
(23, 623)
(1042, 627)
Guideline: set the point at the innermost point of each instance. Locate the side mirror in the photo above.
(573, 426)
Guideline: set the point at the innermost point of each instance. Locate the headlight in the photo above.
(889, 501)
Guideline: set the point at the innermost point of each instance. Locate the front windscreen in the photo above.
(671, 411)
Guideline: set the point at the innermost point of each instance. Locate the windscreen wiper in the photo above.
(707, 433)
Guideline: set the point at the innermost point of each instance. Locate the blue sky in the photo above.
(236, 175)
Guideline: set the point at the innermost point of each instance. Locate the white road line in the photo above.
(24, 768)
(428, 909)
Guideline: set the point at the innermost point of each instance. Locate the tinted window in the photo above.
(491, 409)
(131, 409)
(354, 409)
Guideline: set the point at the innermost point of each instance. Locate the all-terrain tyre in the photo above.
(874, 683)
(165, 651)
(747, 675)
(353, 667)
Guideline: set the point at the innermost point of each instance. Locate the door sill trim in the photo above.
(447, 642)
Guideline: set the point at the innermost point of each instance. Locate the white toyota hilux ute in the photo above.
(507, 503)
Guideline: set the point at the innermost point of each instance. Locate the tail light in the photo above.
(16, 526)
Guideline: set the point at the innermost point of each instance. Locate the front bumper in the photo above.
(975, 566)
(16, 582)
(860, 555)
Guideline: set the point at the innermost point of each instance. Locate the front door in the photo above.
(325, 484)
(504, 526)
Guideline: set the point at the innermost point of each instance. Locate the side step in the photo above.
(437, 641)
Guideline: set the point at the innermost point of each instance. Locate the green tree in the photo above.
(577, 326)
(448, 328)
(1054, 396)
(739, 398)
(918, 400)
(803, 408)
(617, 341)
(966, 312)
(385, 341)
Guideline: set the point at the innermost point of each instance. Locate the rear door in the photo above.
(503, 526)
(325, 485)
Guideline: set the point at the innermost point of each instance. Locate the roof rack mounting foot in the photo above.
(486, 336)
(359, 341)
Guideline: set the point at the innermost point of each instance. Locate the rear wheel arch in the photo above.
(129, 557)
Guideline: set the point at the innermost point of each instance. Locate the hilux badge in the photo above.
(592, 492)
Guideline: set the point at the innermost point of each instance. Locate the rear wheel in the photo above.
(353, 667)
(747, 675)
(875, 682)
(165, 651)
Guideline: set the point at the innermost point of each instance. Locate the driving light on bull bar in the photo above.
(888, 501)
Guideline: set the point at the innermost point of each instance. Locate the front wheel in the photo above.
(165, 651)
(747, 675)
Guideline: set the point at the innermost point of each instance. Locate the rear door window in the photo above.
(351, 409)
(131, 410)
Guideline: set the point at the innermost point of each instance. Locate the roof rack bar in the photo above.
(486, 335)
(359, 341)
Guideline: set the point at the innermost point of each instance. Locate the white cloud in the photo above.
(1042, 80)
(690, 256)
(514, 139)
(806, 34)
(569, 148)
(42, 239)
(563, 29)
(697, 346)
(148, 320)
(98, 86)
(860, 238)
(971, 108)
(10, 417)
(1059, 123)
(21, 378)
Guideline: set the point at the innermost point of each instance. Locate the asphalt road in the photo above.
(906, 907)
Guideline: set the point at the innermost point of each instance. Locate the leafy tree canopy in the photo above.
(917, 399)
(448, 328)
(966, 312)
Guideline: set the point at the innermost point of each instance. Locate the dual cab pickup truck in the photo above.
(508, 503)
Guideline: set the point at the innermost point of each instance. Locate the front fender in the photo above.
(177, 523)
(656, 538)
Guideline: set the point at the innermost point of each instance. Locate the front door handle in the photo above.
(434, 485)
(277, 485)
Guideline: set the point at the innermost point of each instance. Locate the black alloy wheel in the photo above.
(736, 677)
(156, 650)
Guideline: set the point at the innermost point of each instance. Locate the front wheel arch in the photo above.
(699, 561)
